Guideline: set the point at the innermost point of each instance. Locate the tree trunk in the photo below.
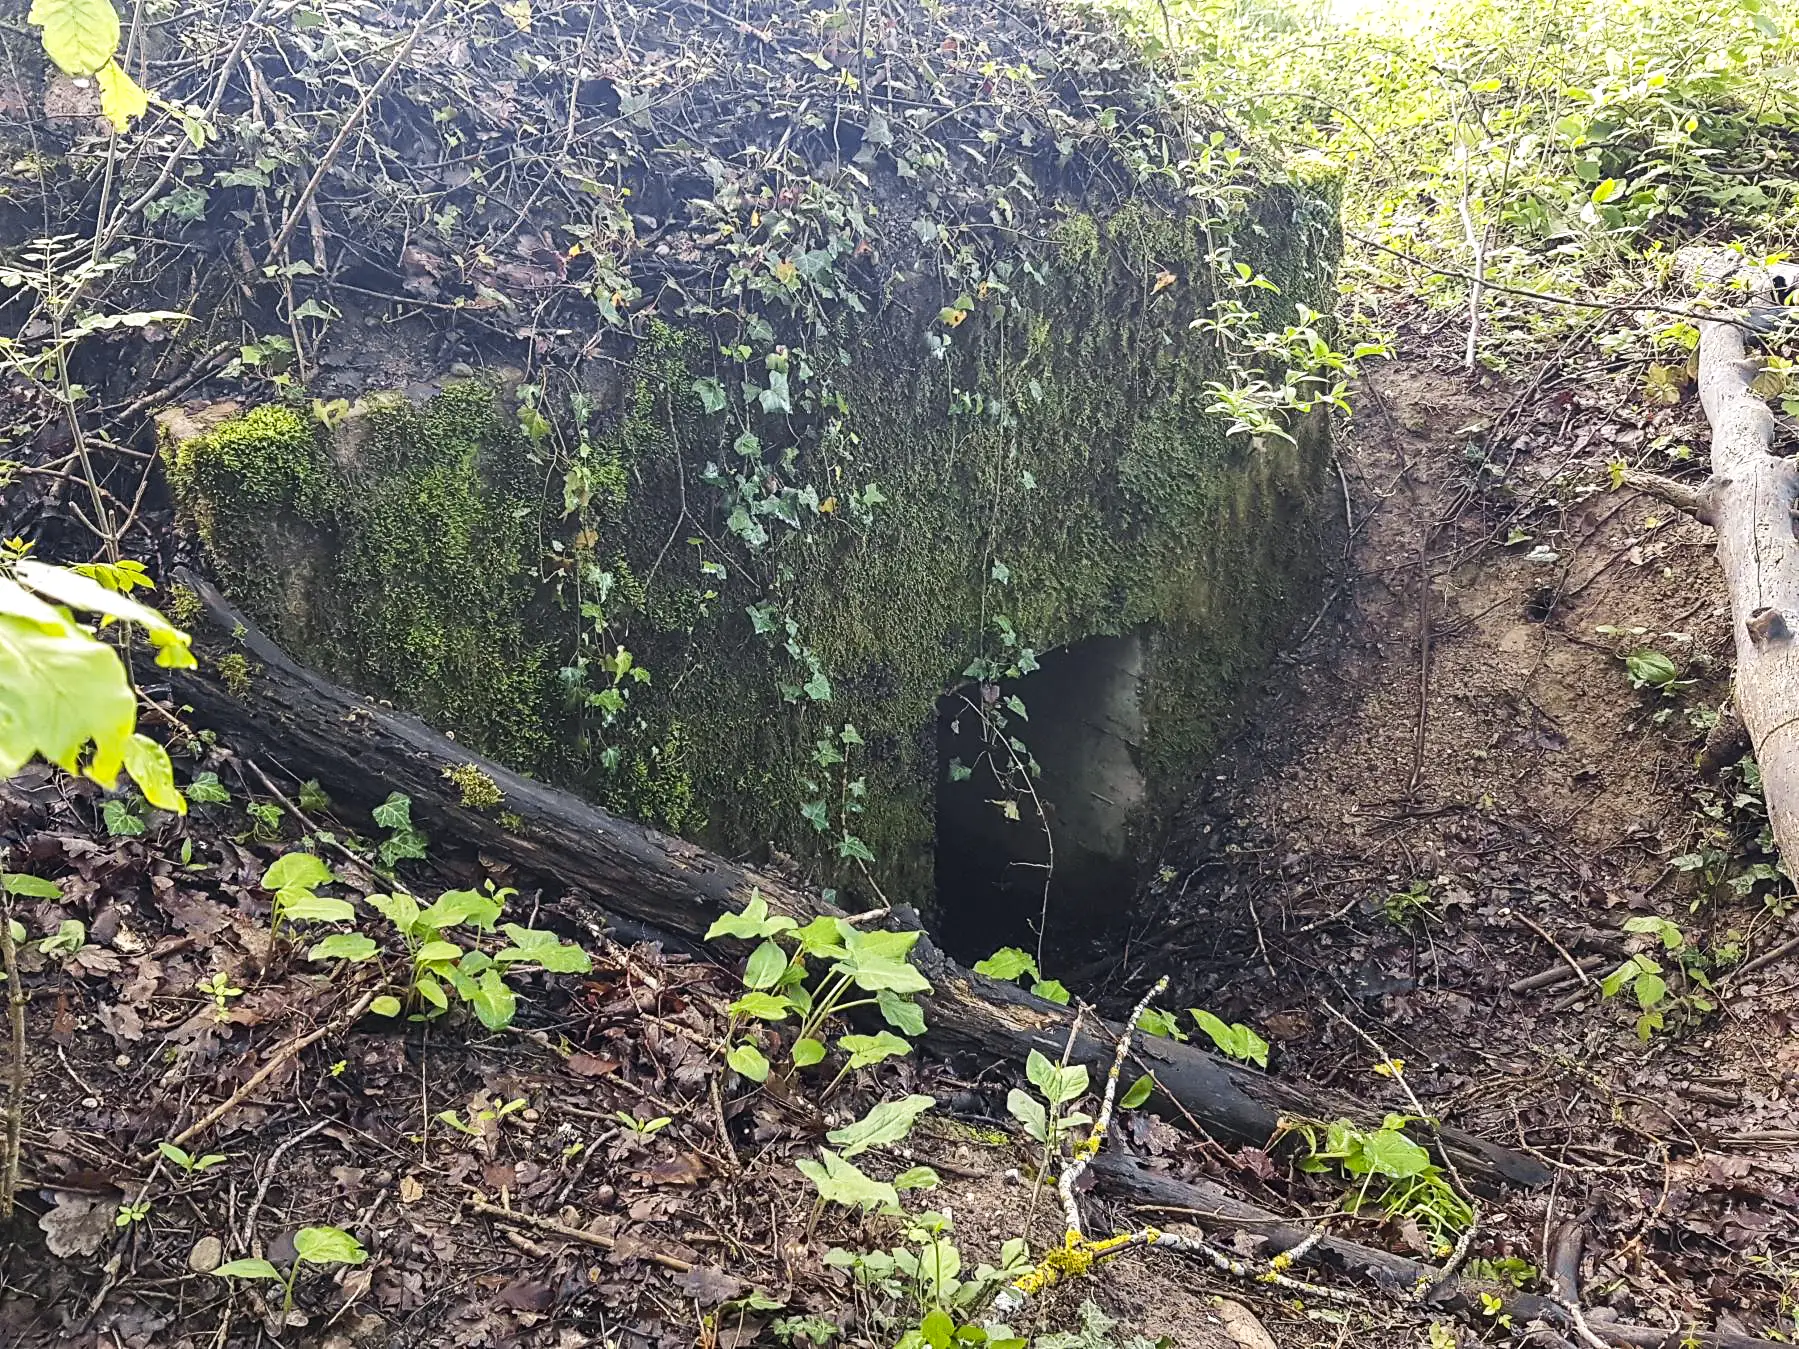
(362, 752)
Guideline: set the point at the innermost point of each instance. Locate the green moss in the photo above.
(477, 790)
(183, 607)
(234, 670)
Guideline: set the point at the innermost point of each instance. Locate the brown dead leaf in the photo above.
(708, 1285)
(411, 1189)
(77, 1224)
(681, 1169)
(591, 1065)
(122, 1023)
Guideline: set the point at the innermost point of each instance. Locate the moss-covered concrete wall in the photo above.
(1043, 466)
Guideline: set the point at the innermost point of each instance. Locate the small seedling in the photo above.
(478, 1118)
(312, 1246)
(221, 990)
(1415, 903)
(642, 1129)
(1236, 1040)
(187, 1161)
(130, 1213)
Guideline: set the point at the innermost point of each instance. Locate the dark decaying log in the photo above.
(1210, 1206)
(361, 752)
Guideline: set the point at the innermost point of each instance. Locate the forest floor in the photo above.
(1451, 792)
(1428, 873)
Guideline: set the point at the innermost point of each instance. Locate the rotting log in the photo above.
(362, 751)
(1209, 1205)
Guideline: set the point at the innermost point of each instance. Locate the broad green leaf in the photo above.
(1028, 1111)
(328, 1246)
(248, 1269)
(121, 100)
(30, 887)
(494, 1001)
(304, 906)
(765, 967)
(79, 35)
(1650, 990)
(1008, 963)
(748, 1061)
(60, 690)
(296, 871)
(888, 1122)
(754, 922)
(916, 1178)
(64, 586)
(431, 991)
(938, 1329)
(1387, 1152)
(149, 766)
(1137, 1093)
(70, 936)
(877, 961)
(543, 948)
(437, 953)
(462, 906)
(807, 1052)
(344, 946)
(823, 936)
(763, 1006)
(841, 1182)
(901, 1013)
(869, 1049)
(399, 908)
(385, 1005)
(180, 1156)
(1051, 990)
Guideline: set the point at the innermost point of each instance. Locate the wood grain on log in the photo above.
(362, 752)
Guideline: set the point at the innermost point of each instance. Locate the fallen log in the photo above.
(1752, 501)
(362, 752)
(1208, 1205)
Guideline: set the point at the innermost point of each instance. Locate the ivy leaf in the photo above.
(208, 790)
(545, 949)
(395, 812)
(79, 35)
(121, 820)
(888, 1122)
(711, 392)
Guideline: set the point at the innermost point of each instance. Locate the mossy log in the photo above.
(1214, 1207)
(362, 752)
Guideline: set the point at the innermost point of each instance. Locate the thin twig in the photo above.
(595, 1239)
(15, 1087)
